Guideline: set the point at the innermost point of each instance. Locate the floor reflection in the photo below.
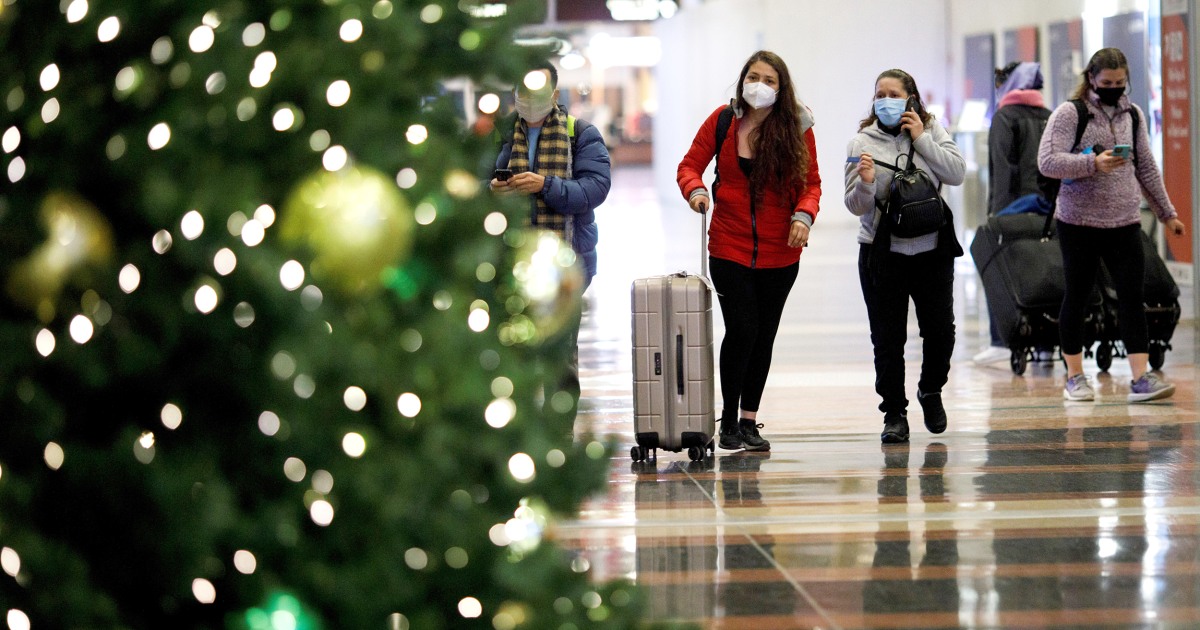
(1028, 512)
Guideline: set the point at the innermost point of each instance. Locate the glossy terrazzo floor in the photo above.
(1027, 513)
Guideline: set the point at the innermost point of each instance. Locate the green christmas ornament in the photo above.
(549, 286)
(354, 221)
(77, 236)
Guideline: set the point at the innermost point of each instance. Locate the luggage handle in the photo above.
(704, 243)
(679, 362)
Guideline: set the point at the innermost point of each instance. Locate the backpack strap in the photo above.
(1137, 122)
(724, 121)
(1082, 116)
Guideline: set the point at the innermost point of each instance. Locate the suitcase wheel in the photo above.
(696, 453)
(1104, 356)
(1158, 355)
(639, 453)
(1018, 360)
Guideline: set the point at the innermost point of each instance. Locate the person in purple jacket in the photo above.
(1099, 217)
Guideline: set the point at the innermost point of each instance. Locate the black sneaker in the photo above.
(729, 437)
(895, 428)
(751, 440)
(935, 413)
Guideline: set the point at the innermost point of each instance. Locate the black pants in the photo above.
(928, 279)
(1121, 250)
(751, 303)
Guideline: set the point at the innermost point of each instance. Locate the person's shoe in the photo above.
(895, 428)
(751, 440)
(1149, 387)
(992, 355)
(729, 437)
(935, 413)
(1078, 388)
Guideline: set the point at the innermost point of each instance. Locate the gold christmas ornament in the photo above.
(354, 221)
(77, 236)
(549, 286)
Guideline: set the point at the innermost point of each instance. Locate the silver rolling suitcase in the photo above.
(673, 385)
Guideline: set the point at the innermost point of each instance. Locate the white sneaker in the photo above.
(992, 355)
(1078, 388)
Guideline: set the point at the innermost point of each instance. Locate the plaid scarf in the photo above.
(553, 157)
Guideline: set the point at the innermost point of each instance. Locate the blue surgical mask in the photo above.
(888, 110)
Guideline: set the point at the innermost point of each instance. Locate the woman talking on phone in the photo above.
(893, 269)
(1104, 175)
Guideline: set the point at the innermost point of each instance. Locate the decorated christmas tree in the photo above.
(273, 355)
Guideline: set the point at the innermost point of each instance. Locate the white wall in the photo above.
(969, 17)
(834, 51)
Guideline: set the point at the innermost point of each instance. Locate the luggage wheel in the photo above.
(1104, 356)
(1158, 355)
(1018, 360)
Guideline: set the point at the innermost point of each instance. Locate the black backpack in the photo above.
(724, 120)
(914, 204)
(1049, 185)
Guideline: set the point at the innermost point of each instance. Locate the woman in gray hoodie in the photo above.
(920, 268)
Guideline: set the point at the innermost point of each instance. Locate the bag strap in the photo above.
(724, 121)
(1137, 122)
(1082, 116)
(1048, 227)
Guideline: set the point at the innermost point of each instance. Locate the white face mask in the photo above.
(758, 95)
(535, 108)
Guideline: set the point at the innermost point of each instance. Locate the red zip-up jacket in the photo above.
(757, 238)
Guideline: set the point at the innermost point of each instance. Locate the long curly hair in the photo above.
(780, 155)
(910, 86)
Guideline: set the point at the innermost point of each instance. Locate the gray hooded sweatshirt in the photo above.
(936, 154)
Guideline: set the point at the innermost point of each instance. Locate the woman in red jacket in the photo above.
(766, 201)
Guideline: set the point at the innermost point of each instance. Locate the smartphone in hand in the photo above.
(1122, 151)
(911, 104)
(503, 174)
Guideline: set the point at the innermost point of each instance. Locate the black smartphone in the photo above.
(502, 174)
(911, 105)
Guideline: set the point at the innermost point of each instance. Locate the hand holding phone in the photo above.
(502, 174)
(1122, 151)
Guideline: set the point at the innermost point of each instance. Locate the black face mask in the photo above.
(1110, 96)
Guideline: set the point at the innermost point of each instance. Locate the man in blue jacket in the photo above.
(563, 165)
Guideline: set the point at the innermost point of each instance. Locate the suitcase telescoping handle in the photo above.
(704, 243)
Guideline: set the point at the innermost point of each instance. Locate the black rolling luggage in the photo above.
(1021, 265)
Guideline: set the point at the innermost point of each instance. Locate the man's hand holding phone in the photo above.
(500, 179)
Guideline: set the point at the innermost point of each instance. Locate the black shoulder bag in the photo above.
(914, 204)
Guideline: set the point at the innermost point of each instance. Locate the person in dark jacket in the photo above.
(767, 200)
(1014, 182)
(562, 164)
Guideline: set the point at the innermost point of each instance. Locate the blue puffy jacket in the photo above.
(579, 196)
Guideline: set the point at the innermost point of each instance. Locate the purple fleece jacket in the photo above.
(1093, 198)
